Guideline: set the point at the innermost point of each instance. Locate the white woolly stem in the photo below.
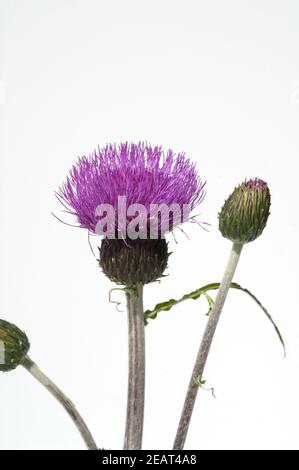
(136, 379)
(63, 400)
(205, 345)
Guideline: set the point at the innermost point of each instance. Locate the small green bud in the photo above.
(129, 262)
(244, 214)
(14, 346)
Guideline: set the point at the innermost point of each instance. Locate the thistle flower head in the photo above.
(133, 262)
(14, 346)
(144, 174)
(244, 214)
(159, 190)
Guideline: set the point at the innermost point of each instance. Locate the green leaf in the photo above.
(201, 383)
(210, 302)
(196, 294)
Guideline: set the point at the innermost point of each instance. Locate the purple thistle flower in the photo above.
(256, 183)
(142, 173)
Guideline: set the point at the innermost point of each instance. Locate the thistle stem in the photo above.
(205, 347)
(63, 400)
(136, 378)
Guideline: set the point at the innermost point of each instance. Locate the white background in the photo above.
(217, 79)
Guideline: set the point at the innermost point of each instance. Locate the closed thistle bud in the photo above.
(133, 261)
(14, 346)
(244, 214)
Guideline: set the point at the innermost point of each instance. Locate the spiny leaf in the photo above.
(167, 305)
(196, 294)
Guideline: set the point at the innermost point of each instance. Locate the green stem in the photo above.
(205, 347)
(63, 400)
(136, 379)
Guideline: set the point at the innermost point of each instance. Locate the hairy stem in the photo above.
(63, 400)
(136, 379)
(205, 347)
